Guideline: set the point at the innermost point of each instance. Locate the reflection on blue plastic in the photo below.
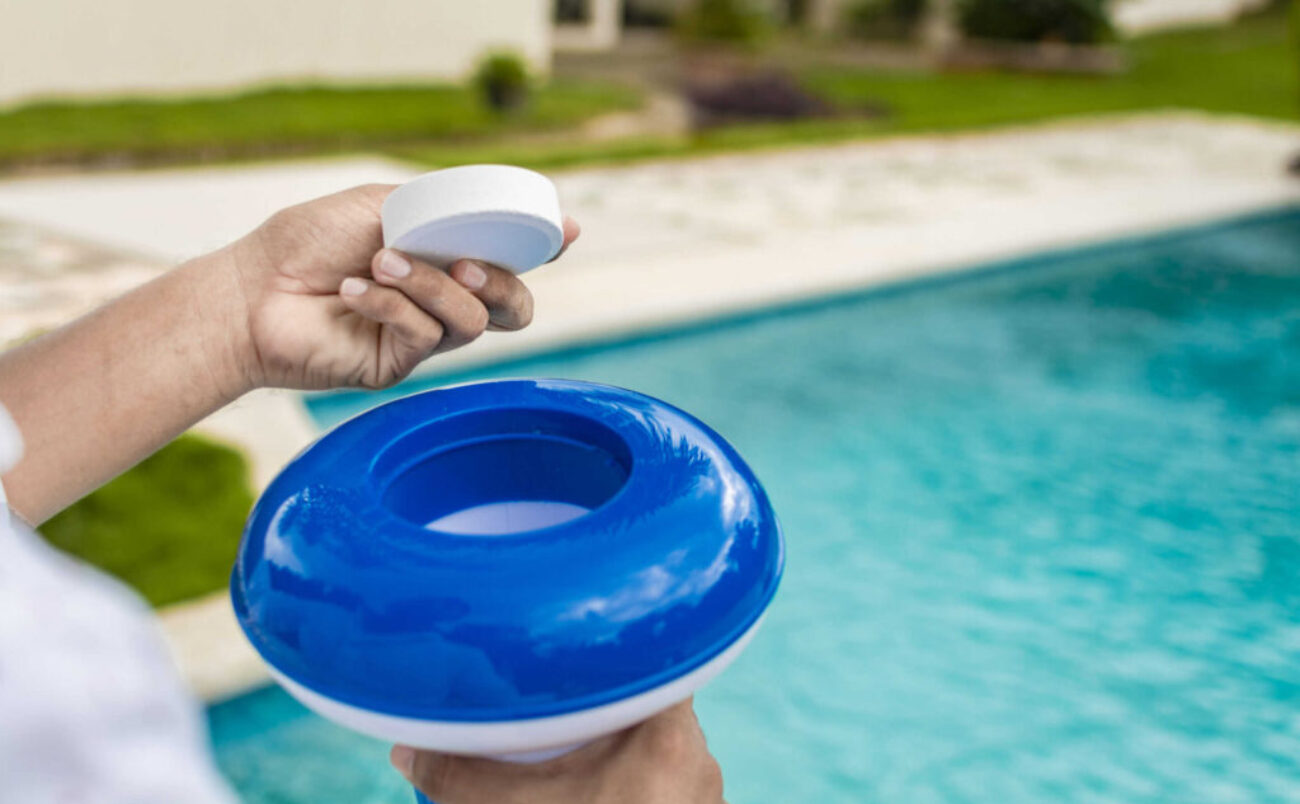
(342, 585)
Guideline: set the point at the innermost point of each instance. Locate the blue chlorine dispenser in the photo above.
(508, 569)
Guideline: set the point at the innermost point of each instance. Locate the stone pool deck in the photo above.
(663, 242)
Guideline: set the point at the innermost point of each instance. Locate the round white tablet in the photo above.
(499, 214)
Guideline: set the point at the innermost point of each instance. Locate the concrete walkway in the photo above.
(673, 241)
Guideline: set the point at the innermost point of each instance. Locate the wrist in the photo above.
(221, 307)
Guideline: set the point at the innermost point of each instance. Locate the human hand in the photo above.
(327, 306)
(662, 761)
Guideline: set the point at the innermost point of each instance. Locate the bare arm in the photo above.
(308, 300)
(97, 396)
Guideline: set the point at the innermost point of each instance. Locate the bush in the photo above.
(503, 80)
(1073, 21)
(884, 19)
(738, 21)
(762, 96)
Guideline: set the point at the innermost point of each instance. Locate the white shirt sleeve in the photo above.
(91, 708)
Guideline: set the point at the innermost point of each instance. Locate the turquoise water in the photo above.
(1043, 526)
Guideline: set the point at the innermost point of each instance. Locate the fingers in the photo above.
(435, 775)
(570, 777)
(449, 779)
(673, 739)
(571, 232)
(508, 301)
(463, 301)
(664, 760)
(463, 316)
(673, 735)
(409, 335)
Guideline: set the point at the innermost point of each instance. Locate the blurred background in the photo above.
(139, 82)
(728, 158)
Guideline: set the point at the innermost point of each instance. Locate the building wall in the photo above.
(1141, 16)
(118, 47)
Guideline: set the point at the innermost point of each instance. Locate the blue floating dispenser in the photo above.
(507, 569)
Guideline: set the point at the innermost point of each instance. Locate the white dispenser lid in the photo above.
(499, 214)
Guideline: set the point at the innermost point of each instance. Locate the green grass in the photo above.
(1249, 68)
(169, 527)
(287, 120)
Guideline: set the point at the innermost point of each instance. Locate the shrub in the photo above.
(503, 80)
(738, 21)
(1073, 21)
(884, 19)
(762, 96)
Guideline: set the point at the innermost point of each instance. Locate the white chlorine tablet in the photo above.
(499, 214)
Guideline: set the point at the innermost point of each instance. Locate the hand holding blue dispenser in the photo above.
(507, 569)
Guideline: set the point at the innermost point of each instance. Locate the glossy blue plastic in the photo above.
(340, 585)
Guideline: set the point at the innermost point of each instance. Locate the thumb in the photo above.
(428, 772)
(402, 758)
(451, 779)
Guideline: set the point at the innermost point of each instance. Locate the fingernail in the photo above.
(403, 759)
(352, 286)
(393, 264)
(472, 276)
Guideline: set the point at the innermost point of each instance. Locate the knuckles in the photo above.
(711, 780)
(481, 318)
(517, 310)
(374, 190)
(669, 745)
(389, 305)
(525, 308)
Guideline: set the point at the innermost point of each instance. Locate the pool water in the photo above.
(1043, 524)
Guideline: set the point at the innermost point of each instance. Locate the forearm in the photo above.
(95, 397)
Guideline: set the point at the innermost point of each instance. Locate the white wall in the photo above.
(1141, 16)
(114, 47)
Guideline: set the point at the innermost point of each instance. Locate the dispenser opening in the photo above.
(511, 482)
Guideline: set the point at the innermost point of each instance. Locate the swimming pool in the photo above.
(1043, 524)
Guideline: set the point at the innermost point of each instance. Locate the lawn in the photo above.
(287, 120)
(169, 527)
(1249, 68)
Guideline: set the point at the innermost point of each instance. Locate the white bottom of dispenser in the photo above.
(532, 739)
